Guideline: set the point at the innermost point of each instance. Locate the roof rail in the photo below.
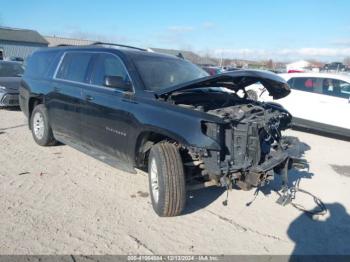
(62, 45)
(118, 45)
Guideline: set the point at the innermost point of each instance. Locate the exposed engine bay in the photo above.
(249, 134)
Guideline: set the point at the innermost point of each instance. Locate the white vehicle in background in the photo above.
(318, 101)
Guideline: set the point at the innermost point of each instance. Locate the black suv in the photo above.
(157, 113)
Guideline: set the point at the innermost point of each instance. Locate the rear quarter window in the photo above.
(41, 64)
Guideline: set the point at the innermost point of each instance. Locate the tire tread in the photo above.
(174, 180)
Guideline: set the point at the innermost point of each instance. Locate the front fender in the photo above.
(194, 138)
(181, 124)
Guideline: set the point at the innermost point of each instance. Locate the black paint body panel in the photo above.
(114, 121)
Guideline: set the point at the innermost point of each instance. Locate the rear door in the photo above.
(65, 101)
(302, 102)
(106, 118)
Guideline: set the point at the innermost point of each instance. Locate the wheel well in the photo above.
(143, 145)
(194, 168)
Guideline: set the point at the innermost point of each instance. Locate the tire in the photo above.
(169, 177)
(252, 95)
(40, 126)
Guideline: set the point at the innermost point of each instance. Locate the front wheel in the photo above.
(39, 124)
(166, 180)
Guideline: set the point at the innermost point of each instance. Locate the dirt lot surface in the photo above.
(56, 200)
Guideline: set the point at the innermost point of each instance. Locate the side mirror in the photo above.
(117, 82)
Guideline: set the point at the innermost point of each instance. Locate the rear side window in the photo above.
(308, 84)
(40, 63)
(74, 66)
(324, 86)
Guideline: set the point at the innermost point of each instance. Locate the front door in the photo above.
(106, 118)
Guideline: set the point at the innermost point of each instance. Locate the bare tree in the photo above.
(269, 64)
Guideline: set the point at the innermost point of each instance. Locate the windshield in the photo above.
(162, 72)
(10, 70)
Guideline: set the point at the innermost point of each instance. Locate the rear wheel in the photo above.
(39, 124)
(166, 180)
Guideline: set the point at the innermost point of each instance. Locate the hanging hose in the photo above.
(322, 209)
(289, 193)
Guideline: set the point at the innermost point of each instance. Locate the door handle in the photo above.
(56, 89)
(89, 98)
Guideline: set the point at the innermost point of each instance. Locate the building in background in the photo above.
(298, 66)
(18, 44)
(63, 41)
(305, 66)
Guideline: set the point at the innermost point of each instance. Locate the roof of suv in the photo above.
(124, 50)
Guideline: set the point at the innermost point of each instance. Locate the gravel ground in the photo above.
(56, 200)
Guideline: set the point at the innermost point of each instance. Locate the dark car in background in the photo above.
(17, 59)
(212, 70)
(10, 79)
(158, 113)
(335, 66)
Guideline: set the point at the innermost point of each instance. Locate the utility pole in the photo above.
(221, 59)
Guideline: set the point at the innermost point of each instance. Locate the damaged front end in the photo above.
(253, 147)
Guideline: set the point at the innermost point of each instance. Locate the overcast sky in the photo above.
(282, 30)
